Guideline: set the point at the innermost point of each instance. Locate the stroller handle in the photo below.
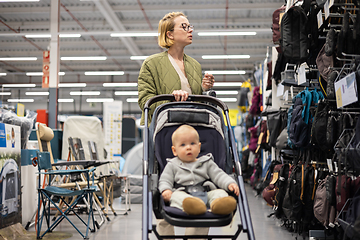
(199, 98)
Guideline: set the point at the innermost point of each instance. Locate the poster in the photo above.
(10, 181)
(112, 121)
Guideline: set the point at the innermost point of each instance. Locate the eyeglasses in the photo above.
(187, 27)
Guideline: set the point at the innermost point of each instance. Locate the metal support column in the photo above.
(54, 63)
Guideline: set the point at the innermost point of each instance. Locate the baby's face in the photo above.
(186, 147)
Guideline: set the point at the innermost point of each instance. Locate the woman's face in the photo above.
(182, 34)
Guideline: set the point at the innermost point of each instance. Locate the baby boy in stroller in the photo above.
(190, 183)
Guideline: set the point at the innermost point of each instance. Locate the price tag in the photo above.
(280, 90)
(327, 9)
(301, 74)
(319, 19)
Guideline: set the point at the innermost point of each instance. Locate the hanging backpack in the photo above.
(321, 204)
(319, 126)
(276, 17)
(308, 196)
(281, 186)
(299, 130)
(293, 200)
(256, 102)
(294, 40)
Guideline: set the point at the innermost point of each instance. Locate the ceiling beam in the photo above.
(149, 7)
(110, 16)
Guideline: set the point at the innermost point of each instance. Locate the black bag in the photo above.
(293, 205)
(279, 67)
(294, 35)
(330, 88)
(353, 216)
(330, 42)
(319, 126)
(274, 123)
(353, 157)
(281, 187)
(299, 131)
(345, 42)
(308, 196)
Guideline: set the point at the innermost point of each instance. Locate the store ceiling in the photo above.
(96, 20)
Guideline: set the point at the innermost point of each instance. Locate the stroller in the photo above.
(201, 112)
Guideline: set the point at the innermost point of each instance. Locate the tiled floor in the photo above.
(128, 227)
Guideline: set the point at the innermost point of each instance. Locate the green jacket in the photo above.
(158, 76)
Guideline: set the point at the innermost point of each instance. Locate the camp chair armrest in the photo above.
(64, 172)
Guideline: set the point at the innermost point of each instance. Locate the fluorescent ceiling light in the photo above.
(72, 85)
(66, 100)
(226, 92)
(38, 35)
(135, 34)
(99, 100)
(227, 84)
(226, 33)
(21, 100)
(229, 72)
(18, 58)
(225, 56)
(228, 99)
(126, 93)
(119, 84)
(88, 93)
(28, 85)
(103, 73)
(138, 57)
(5, 93)
(134, 100)
(98, 58)
(37, 93)
(34, 73)
(75, 35)
(3, 74)
(19, 0)
(41, 73)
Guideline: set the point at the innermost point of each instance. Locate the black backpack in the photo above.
(294, 40)
(299, 131)
(319, 126)
(281, 186)
(293, 200)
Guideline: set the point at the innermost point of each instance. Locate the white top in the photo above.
(185, 86)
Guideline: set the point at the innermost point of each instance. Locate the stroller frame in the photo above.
(147, 207)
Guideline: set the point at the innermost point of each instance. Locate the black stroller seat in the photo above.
(215, 138)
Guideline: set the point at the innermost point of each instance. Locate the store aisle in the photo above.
(128, 227)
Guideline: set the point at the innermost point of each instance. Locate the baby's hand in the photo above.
(166, 195)
(234, 188)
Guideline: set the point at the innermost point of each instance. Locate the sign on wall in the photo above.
(112, 121)
(10, 181)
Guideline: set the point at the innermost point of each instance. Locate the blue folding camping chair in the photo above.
(52, 196)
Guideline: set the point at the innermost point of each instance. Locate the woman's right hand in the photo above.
(180, 95)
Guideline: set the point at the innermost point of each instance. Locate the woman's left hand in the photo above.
(208, 81)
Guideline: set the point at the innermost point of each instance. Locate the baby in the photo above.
(185, 169)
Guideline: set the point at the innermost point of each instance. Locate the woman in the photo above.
(172, 71)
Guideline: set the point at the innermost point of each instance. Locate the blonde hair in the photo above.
(181, 129)
(167, 24)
